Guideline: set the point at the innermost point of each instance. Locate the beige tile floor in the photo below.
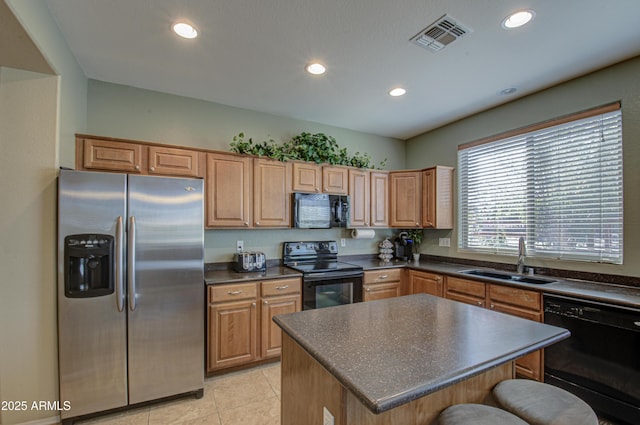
(250, 397)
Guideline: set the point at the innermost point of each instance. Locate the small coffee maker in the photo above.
(404, 247)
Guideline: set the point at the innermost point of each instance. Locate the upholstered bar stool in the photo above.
(542, 404)
(477, 414)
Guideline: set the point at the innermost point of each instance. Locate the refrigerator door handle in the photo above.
(131, 260)
(119, 265)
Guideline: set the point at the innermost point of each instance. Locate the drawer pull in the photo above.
(384, 276)
(280, 288)
(479, 302)
(234, 292)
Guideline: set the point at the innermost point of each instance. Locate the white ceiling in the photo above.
(251, 54)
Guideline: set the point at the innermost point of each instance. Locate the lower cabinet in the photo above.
(381, 284)
(466, 291)
(424, 282)
(240, 330)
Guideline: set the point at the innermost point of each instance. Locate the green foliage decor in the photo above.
(318, 148)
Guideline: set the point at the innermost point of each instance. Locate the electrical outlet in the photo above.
(239, 246)
(343, 242)
(444, 242)
(327, 417)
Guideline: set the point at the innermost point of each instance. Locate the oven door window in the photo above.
(331, 292)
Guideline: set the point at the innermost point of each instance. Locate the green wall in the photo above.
(126, 112)
(617, 83)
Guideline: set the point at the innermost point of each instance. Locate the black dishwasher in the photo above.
(600, 362)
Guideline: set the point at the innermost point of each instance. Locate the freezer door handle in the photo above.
(131, 261)
(119, 265)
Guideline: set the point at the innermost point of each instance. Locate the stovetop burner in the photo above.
(315, 257)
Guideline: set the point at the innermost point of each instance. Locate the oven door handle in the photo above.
(315, 277)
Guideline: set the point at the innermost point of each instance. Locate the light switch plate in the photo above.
(343, 242)
(239, 246)
(445, 242)
(327, 417)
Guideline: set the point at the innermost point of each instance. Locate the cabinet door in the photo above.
(335, 180)
(228, 190)
(307, 177)
(406, 199)
(466, 291)
(379, 211)
(522, 303)
(380, 291)
(271, 334)
(233, 330)
(174, 162)
(429, 199)
(428, 283)
(359, 193)
(113, 156)
(437, 198)
(271, 193)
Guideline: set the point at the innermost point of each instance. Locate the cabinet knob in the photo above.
(265, 302)
(368, 289)
(138, 167)
(253, 304)
(246, 223)
(493, 306)
(479, 302)
(257, 223)
(152, 169)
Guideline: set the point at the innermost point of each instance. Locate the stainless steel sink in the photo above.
(508, 276)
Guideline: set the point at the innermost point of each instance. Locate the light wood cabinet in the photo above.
(335, 180)
(437, 194)
(232, 325)
(379, 195)
(175, 162)
(240, 329)
(464, 290)
(271, 193)
(97, 154)
(307, 177)
(522, 303)
(228, 190)
(381, 284)
(359, 193)
(406, 199)
(278, 297)
(424, 282)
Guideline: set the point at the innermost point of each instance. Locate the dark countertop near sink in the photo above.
(602, 292)
(377, 352)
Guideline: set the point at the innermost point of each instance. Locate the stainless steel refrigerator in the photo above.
(130, 290)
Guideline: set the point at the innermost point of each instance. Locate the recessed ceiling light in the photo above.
(507, 91)
(185, 30)
(518, 19)
(316, 68)
(398, 91)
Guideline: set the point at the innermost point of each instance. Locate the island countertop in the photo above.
(390, 352)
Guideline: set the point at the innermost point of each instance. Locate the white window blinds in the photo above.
(558, 185)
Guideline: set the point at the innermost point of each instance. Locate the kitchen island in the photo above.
(398, 361)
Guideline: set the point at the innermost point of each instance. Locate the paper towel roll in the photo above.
(363, 233)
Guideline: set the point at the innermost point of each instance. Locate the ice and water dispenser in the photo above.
(88, 265)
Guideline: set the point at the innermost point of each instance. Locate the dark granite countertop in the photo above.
(603, 292)
(216, 277)
(377, 352)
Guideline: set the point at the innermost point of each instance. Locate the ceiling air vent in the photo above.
(440, 34)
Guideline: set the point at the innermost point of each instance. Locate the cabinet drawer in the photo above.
(174, 162)
(518, 297)
(467, 287)
(281, 287)
(232, 292)
(378, 276)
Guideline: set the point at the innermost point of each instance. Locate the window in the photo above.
(557, 184)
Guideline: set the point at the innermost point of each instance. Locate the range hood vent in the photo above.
(440, 34)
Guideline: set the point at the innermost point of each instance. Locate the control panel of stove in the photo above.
(295, 249)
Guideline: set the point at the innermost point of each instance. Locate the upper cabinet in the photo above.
(369, 194)
(313, 178)
(271, 193)
(96, 154)
(228, 193)
(406, 199)
(437, 194)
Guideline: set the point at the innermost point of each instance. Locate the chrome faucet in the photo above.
(522, 252)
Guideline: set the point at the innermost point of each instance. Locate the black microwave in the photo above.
(320, 210)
